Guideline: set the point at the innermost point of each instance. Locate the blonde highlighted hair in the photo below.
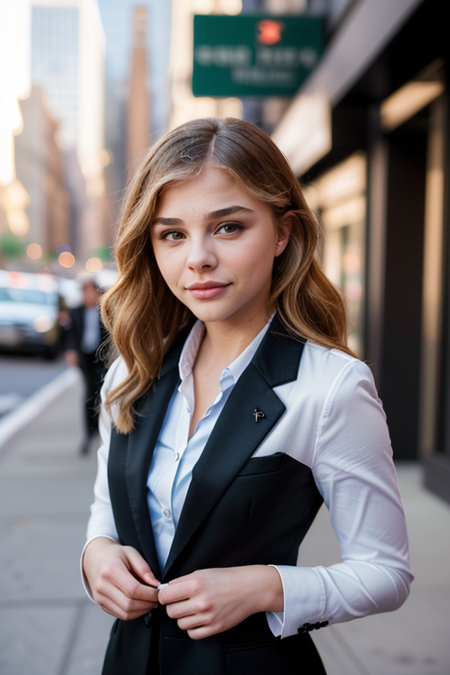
(139, 310)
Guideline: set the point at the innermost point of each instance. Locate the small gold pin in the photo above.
(259, 415)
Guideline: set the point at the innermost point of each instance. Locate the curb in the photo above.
(36, 404)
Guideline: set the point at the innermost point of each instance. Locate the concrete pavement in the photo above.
(49, 627)
(414, 640)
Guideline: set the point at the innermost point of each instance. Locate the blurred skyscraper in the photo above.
(184, 106)
(58, 46)
(67, 61)
(14, 84)
(138, 119)
(117, 18)
(40, 168)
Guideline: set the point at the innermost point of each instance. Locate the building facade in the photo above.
(67, 61)
(14, 85)
(376, 172)
(39, 167)
(118, 22)
(138, 103)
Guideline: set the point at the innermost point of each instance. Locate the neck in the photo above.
(225, 340)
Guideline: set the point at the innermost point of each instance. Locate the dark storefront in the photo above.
(396, 263)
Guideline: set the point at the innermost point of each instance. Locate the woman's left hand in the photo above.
(211, 601)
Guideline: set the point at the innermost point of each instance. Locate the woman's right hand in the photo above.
(120, 580)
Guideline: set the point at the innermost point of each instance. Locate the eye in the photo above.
(229, 228)
(171, 235)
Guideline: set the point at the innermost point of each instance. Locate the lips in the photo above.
(207, 289)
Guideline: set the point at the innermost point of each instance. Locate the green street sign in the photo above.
(254, 54)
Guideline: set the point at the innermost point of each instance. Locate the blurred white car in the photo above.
(29, 308)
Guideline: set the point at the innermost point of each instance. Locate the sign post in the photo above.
(254, 55)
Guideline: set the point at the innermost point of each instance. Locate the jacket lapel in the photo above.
(151, 411)
(237, 434)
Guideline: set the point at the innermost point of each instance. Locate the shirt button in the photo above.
(166, 512)
(177, 456)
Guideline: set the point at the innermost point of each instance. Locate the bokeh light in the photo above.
(34, 251)
(66, 259)
(94, 265)
(43, 323)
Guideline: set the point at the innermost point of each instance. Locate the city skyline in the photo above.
(59, 46)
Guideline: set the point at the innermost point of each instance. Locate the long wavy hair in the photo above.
(141, 313)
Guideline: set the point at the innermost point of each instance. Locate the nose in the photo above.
(201, 254)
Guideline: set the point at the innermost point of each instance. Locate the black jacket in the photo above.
(239, 510)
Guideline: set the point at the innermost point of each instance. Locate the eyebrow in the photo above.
(228, 211)
(213, 215)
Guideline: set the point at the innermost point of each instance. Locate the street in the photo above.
(23, 374)
(49, 626)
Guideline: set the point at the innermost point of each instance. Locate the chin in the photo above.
(209, 317)
(211, 314)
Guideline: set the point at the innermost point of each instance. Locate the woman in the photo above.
(234, 409)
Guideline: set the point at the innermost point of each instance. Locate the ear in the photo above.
(284, 232)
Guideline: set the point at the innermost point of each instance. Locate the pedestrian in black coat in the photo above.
(84, 335)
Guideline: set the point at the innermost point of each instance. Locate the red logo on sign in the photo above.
(269, 31)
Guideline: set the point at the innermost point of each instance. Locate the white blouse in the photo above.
(334, 423)
(176, 454)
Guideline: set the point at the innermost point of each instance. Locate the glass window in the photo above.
(339, 198)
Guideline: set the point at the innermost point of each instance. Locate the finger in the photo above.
(115, 602)
(202, 632)
(194, 621)
(140, 567)
(178, 610)
(120, 613)
(180, 580)
(110, 607)
(178, 590)
(120, 577)
(134, 589)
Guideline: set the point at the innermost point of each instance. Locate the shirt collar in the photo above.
(231, 373)
(190, 350)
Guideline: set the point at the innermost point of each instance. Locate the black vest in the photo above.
(239, 510)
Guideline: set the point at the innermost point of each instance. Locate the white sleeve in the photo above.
(354, 472)
(101, 522)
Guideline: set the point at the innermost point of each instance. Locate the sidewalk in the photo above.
(47, 624)
(415, 639)
(49, 627)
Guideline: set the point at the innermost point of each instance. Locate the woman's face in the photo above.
(215, 246)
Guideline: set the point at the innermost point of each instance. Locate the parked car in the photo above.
(29, 308)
